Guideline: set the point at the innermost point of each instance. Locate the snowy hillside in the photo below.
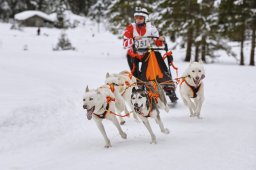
(43, 125)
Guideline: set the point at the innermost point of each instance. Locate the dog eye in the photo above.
(193, 71)
(90, 98)
(140, 97)
(133, 98)
(199, 71)
(83, 99)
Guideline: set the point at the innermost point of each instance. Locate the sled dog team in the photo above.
(144, 99)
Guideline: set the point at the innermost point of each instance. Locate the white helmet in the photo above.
(141, 12)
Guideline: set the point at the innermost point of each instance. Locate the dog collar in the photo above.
(142, 114)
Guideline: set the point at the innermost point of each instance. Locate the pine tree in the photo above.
(174, 20)
(234, 16)
(207, 39)
(252, 23)
(97, 11)
(120, 13)
(64, 43)
(60, 9)
(5, 11)
(242, 17)
(81, 6)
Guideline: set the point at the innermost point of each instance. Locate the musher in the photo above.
(153, 67)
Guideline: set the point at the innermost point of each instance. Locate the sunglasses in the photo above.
(139, 17)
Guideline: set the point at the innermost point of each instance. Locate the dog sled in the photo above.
(154, 68)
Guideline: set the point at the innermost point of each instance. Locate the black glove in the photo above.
(170, 59)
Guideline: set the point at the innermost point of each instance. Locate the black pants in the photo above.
(134, 65)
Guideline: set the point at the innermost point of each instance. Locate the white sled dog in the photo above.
(121, 85)
(146, 105)
(100, 104)
(192, 88)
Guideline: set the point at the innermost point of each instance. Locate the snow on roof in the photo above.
(28, 14)
(68, 15)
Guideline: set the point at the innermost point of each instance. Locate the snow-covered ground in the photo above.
(43, 125)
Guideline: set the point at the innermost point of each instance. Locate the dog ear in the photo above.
(107, 75)
(133, 90)
(202, 77)
(87, 89)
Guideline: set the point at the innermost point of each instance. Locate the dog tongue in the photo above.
(89, 114)
(196, 82)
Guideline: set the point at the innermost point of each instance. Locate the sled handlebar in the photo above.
(145, 49)
(151, 37)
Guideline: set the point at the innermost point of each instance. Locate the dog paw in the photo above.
(108, 145)
(199, 117)
(165, 131)
(153, 142)
(123, 135)
(122, 122)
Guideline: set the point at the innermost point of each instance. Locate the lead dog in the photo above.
(100, 103)
(146, 107)
(192, 87)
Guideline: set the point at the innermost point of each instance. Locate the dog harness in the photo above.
(103, 115)
(112, 86)
(152, 97)
(193, 89)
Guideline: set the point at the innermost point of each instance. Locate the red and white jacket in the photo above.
(133, 30)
